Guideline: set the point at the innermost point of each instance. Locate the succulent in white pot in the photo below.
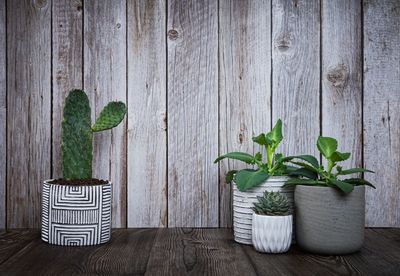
(76, 209)
(272, 223)
(269, 174)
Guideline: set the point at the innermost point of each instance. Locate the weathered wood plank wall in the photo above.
(200, 78)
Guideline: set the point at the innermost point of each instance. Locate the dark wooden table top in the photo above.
(187, 251)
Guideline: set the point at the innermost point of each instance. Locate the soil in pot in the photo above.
(78, 182)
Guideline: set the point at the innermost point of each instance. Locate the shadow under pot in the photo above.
(76, 215)
(329, 221)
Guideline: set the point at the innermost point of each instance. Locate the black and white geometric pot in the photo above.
(76, 215)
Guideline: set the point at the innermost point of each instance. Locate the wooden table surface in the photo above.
(178, 251)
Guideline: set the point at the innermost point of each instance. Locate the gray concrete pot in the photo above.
(329, 222)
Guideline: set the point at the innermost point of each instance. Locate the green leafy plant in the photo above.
(272, 204)
(248, 178)
(77, 133)
(315, 174)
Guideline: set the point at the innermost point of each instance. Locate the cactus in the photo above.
(77, 133)
(272, 204)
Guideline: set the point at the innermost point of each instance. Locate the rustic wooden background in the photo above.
(199, 78)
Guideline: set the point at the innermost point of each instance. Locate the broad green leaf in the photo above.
(260, 139)
(340, 156)
(278, 157)
(303, 172)
(229, 176)
(305, 165)
(276, 133)
(241, 156)
(298, 181)
(246, 179)
(359, 181)
(353, 170)
(344, 186)
(309, 158)
(327, 146)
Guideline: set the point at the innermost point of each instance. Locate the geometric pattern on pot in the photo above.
(76, 215)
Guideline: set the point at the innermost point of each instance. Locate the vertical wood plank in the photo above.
(3, 115)
(342, 76)
(296, 73)
(104, 81)
(147, 159)
(382, 111)
(192, 113)
(244, 82)
(67, 65)
(28, 108)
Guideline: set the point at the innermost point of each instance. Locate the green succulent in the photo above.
(77, 133)
(272, 204)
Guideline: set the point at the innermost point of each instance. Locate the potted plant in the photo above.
(272, 223)
(76, 210)
(269, 175)
(330, 209)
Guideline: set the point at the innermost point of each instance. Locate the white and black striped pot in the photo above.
(244, 201)
(76, 215)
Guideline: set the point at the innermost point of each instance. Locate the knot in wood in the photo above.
(39, 4)
(283, 42)
(338, 75)
(173, 34)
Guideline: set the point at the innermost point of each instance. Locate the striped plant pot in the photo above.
(76, 215)
(243, 202)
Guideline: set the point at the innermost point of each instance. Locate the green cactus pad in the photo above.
(111, 115)
(76, 147)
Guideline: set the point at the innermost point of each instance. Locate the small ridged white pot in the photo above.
(244, 201)
(272, 234)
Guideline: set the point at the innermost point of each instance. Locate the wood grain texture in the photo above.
(126, 254)
(197, 252)
(28, 109)
(104, 81)
(147, 137)
(3, 115)
(382, 110)
(189, 252)
(244, 84)
(67, 65)
(342, 76)
(192, 113)
(296, 70)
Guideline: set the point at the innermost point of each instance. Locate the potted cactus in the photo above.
(269, 175)
(330, 208)
(272, 223)
(76, 209)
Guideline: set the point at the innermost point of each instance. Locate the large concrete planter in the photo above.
(329, 222)
(243, 202)
(76, 215)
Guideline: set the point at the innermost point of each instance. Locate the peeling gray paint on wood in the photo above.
(192, 113)
(295, 73)
(342, 76)
(147, 129)
(382, 111)
(28, 108)
(244, 84)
